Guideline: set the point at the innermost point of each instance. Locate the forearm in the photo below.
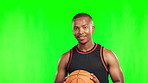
(59, 81)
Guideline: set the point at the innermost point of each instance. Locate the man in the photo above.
(88, 55)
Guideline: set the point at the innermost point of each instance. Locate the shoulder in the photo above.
(109, 56)
(65, 57)
(108, 52)
(63, 61)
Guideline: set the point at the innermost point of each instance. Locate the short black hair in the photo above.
(81, 15)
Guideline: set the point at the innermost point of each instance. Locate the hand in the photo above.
(94, 78)
(64, 81)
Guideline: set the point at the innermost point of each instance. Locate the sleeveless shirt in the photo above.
(91, 61)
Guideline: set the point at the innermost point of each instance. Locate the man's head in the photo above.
(83, 27)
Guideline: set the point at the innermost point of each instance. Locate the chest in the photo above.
(90, 62)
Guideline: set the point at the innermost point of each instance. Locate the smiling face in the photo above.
(83, 29)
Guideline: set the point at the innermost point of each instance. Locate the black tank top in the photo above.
(91, 61)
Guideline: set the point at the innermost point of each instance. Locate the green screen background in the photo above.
(34, 34)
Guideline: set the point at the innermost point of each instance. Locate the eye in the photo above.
(84, 27)
(75, 28)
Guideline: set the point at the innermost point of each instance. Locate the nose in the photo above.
(81, 30)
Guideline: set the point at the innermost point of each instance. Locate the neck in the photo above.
(85, 47)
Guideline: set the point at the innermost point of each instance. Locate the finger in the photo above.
(64, 81)
(65, 78)
(94, 78)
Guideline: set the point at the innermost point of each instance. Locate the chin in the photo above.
(83, 43)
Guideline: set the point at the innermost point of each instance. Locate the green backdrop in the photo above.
(34, 34)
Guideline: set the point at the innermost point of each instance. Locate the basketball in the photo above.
(79, 76)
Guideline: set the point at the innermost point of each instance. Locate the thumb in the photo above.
(65, 80)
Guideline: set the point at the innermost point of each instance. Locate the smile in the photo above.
(81, 37)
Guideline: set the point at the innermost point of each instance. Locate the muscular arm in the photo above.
(61, 72)
(114, 68)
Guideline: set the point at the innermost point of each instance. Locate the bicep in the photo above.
(61, 72)
(116, 73)
(114, 67)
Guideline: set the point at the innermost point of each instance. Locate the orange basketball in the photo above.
(79, 76)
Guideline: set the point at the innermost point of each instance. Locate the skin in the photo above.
(83, 29)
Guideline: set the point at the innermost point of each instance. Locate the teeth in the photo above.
(81, 37)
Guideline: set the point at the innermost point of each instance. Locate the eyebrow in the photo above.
(82, 25)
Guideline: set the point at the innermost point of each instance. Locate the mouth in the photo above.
(81, 37)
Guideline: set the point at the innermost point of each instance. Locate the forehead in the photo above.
(81, 21)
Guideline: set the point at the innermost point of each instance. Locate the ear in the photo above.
(93, 29)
